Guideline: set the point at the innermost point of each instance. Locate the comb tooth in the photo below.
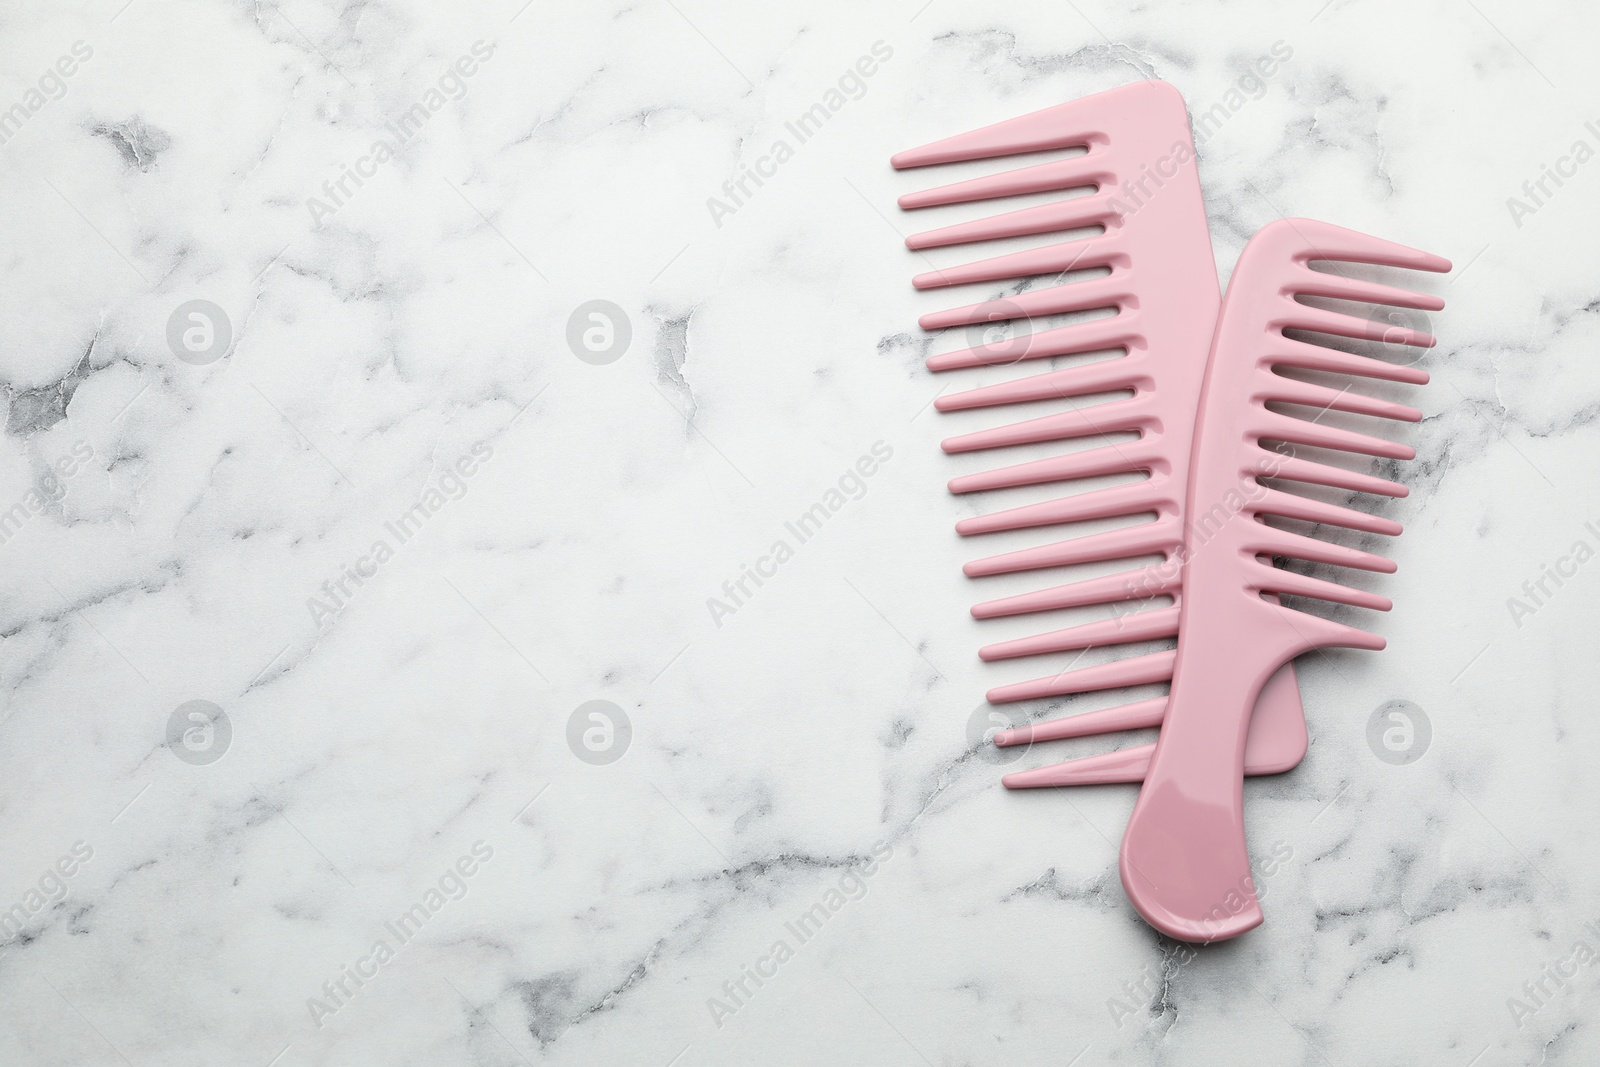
(1091, 462)
(1067, 125)
(1135, 499)
(1071, 214)
(1312, 473)
(1057, 299)
(1141, 540)
(1305, 317)
(1104, 418)
(1122, 766)
(1102, 377)
(1124, 630)
(1276, 580)
(1324, 240)
(1265, 751)
(1051, 259)
(1135, 670)
(1295, 353)
(1338, 287)
(1058, 174)
(1135, 584)
(1290, 506)
(1302, 432)
(1107, 768)
(1320, 396)
(1079, 337)
(1298, 546)
(1325, 633)
(1137, 716)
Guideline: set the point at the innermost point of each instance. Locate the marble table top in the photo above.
(479, 586)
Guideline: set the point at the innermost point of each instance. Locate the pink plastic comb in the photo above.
(1162, 284)
(1184, 864)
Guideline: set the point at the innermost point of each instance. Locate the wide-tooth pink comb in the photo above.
(1184, 864)
(1140, 160)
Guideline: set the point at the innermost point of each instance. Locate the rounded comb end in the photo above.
(920, 198)
(911, 157)
(1023, 780)
(959, 485)
(1007, 738)
(959, 444)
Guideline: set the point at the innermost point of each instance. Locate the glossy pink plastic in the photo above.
(1184, 863)
(1146, 201)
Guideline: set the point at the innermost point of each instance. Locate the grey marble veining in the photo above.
(328, 509)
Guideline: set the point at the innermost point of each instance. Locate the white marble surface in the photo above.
(376, 742)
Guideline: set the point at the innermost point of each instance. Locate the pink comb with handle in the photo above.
(1184, 863)
(1140, 161)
